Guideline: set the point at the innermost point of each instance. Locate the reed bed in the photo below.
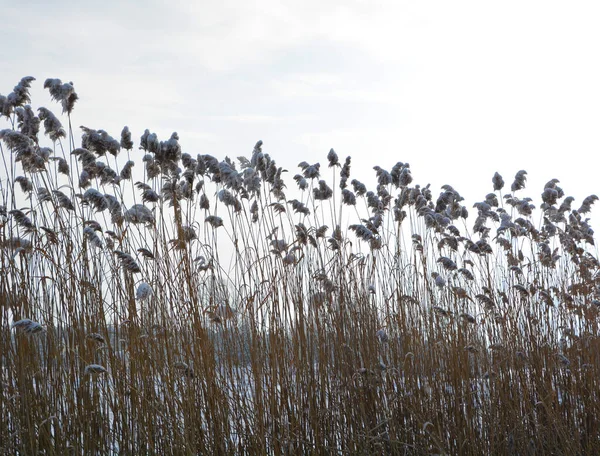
(156, 302)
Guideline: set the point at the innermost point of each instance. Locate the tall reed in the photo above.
(154, 302)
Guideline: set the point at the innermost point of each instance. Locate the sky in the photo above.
(458, 89)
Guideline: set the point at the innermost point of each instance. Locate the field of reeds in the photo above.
(155, 301)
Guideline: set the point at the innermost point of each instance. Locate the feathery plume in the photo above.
(332, 157)
(18, 143)
(382, 336)
(299, 207)
(28, 122)
(91, 236)
(63, 200)
(96, 199)
(348, 197)
(323, 192)
(184, 368)
(99, 142)
(138, 213)
(498, 182)
(586, 205)
(214, 221)
(447, 263)
(127, 261)
(301, 181)
(63, 93)
(143, 292)
(146, 253)
(95, 337)
(126, 142)
(52, 126)
(310, 171)
(440, 282)
(383, 177)
(359, 188)
(24, 183)
(6, 107)
(227, 198)
(125, 173)
(345, 173)
(22, 221)
(94, 369)
(519, 182)
(28, 326)
(43, 195)
(19, 96)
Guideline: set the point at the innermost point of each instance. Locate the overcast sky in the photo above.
(459, 89)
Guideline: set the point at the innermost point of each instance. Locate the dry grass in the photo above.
(203, 311)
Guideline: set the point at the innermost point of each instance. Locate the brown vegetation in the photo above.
(188, 306)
